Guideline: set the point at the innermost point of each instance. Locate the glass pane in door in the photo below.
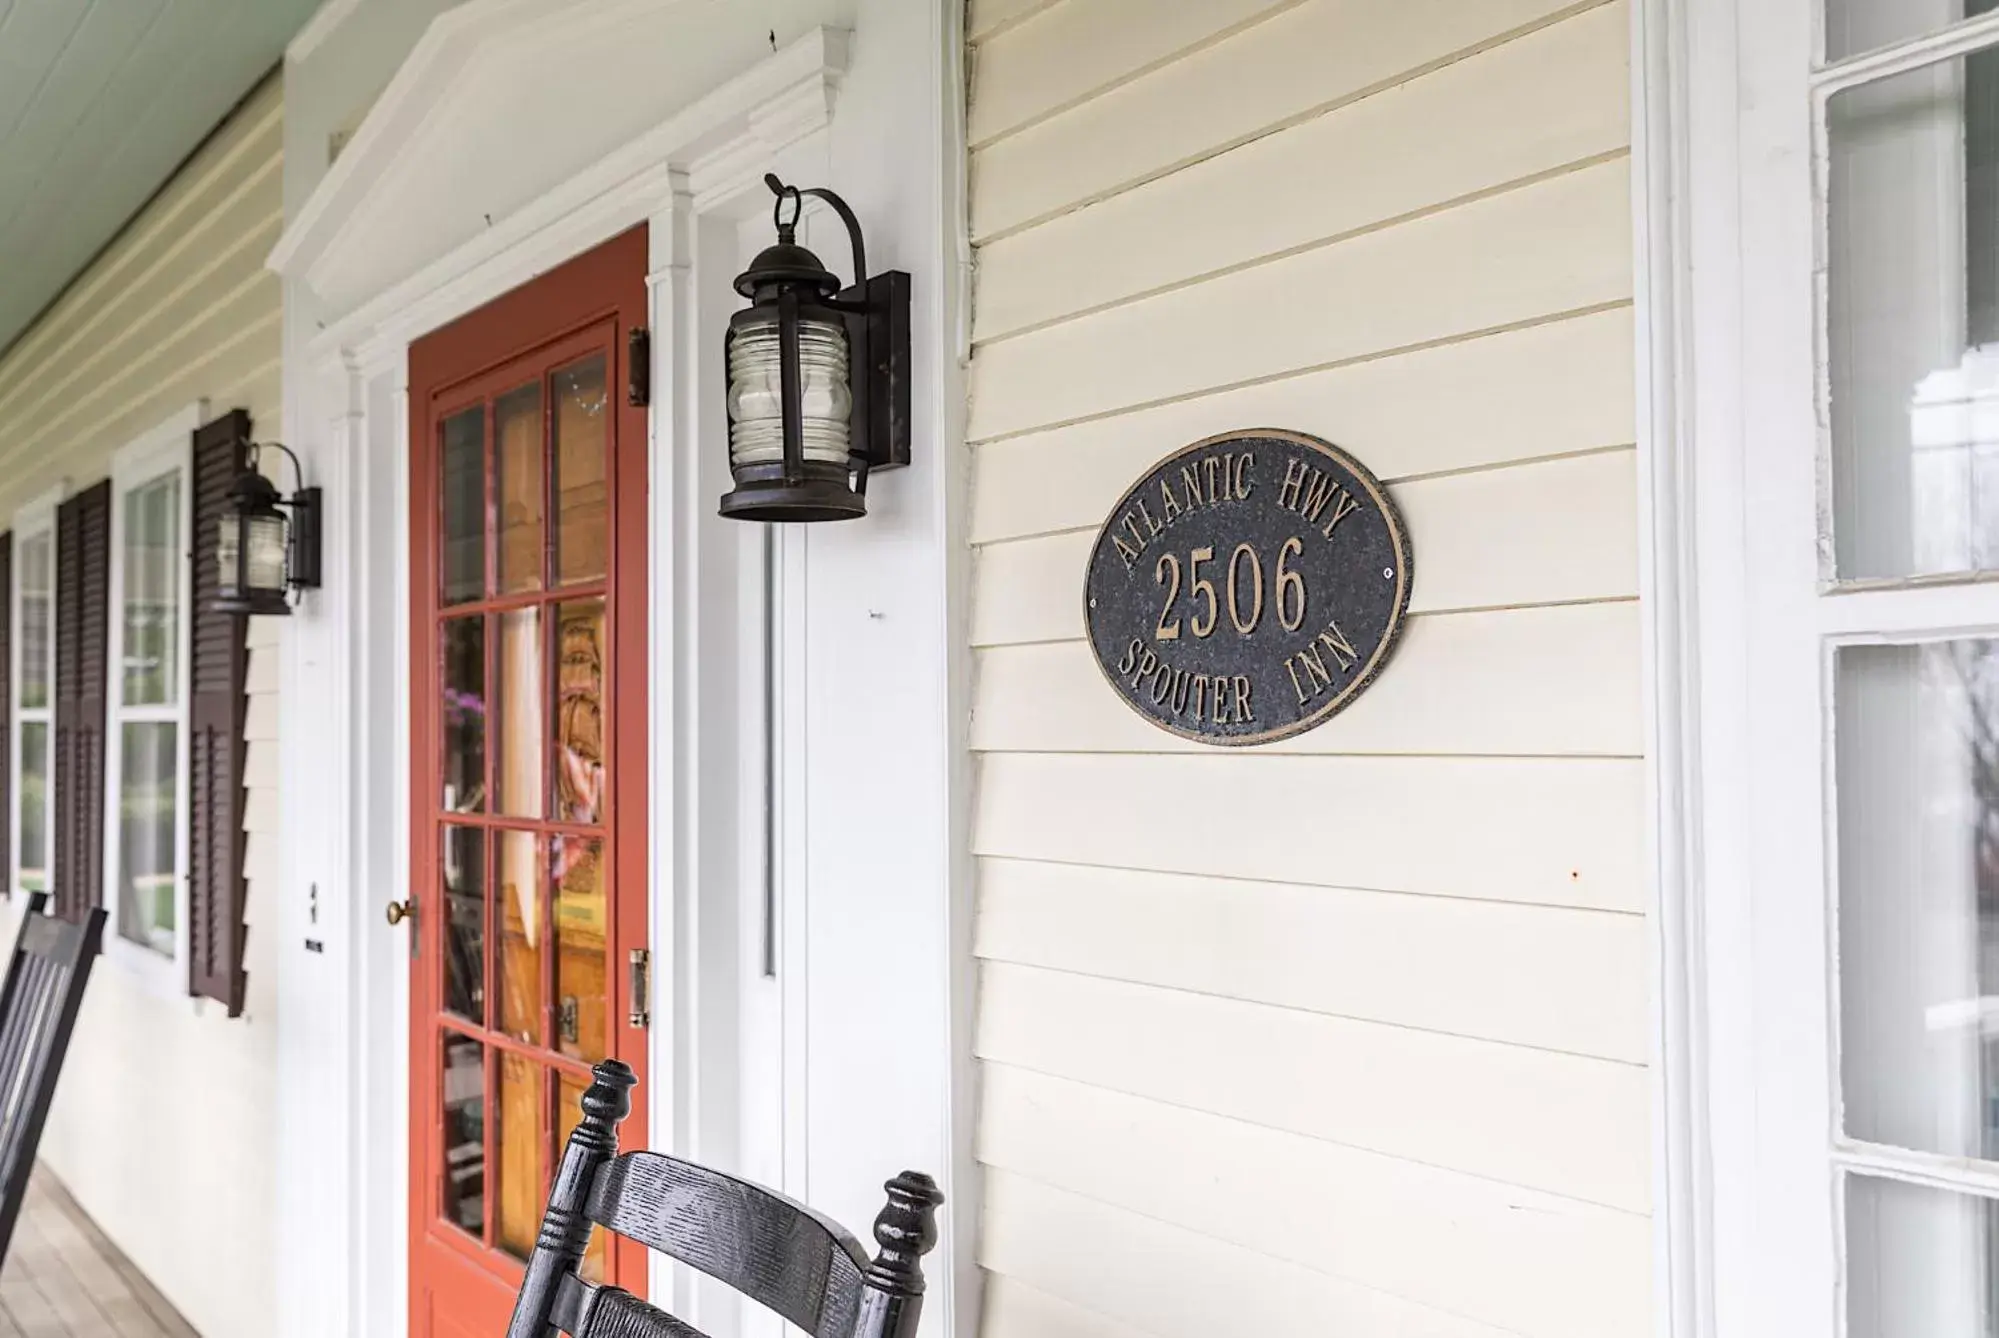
(1854, 26)
(464, 714)
(521, 915)
(1920, 1262)
(1912, 312)
(1916, 759)
(463, 1190)
(463, 496)
(522, 1145)
(519, 706)
(518, 466)
(582, 984)
(465, 922)
(579, 711)
(582, 447)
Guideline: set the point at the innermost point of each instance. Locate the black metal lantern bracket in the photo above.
(787, 281)
(302, 539)
(877, 310)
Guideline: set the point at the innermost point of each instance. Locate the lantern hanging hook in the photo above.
(298, 474)
(787, 232)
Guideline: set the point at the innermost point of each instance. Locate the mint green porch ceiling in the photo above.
(99, 101)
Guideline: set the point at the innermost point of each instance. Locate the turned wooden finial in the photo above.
(905, 1232)
(565, 1231)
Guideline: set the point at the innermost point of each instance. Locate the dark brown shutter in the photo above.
(83, 594)
(7, 710)
(216, 753)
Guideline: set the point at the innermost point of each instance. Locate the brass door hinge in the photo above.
(641, 988)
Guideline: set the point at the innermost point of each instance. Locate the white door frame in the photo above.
(343, 1006)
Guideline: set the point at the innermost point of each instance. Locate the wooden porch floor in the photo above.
(63, 1279)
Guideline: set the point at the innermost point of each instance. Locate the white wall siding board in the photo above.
(1551, 389)
(1339, 173)
(1016, 1310)
(1556, 245)
(1560, 681)
(1304, 60)
(1554, 832)
(1559, 531)
(1171, 1282)
(1344, 1034)
(1525, 1261)
(1551, 977)
(1527, 1117)
(1065, 53)
(162, 1125)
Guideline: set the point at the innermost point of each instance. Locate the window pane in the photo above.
(464, 1134)
(521, 711)
(153, 559)
(522, 916)
(463, 482)
(34, 802)
(1854, 26)
(465, 922)
(146, 881)
(1913, 321)
(523, 1149)
(464, 715)
(519, 463)
(1917, 769)
(582, 441)
(1919, 1262)
(579, 722)
(37, 590)
(582, 988)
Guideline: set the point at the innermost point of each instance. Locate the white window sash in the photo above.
(35, 519)
(165, 449)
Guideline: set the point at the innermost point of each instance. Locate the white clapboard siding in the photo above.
(1015, 1310)
(1565, 88)
(1561, 531)
(1170, 1282)
(1306, 59)
(1552, 977)
(1544, 390)
(1559, 244)
(177, 310)
(985, 18)
(1549, 681)
(1524, 1261)
(1345, 1034)
(1533, 1118)
(1059, 56)
(1555, 832)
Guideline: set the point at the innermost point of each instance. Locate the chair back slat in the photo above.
(612, 1312)
(778, 1252)
(38, 1006)
(773, 1250)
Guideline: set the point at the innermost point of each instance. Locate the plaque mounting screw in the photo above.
(1388, 573)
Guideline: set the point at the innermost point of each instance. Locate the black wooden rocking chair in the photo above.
(38, 1003)
(771, 1249)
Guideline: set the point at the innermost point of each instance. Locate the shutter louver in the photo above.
(216, 752)
(83, 595)
(7, 708)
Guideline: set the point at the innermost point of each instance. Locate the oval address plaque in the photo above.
(1248, 587)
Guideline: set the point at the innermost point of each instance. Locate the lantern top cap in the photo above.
(251, 490)
(785, 263)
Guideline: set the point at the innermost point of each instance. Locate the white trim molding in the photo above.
(325, 21)
(1663, 104)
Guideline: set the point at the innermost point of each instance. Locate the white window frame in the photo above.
(1730, 176)
(32, 520)
(164, 449)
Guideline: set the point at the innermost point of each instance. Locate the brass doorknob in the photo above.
(400, 911)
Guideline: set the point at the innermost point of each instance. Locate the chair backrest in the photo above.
(774, 1250)
(38, 1003)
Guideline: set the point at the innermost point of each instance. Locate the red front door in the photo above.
(528, 721)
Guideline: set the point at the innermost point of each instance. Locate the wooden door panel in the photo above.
(528, 719)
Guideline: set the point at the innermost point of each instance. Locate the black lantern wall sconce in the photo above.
(818, 376)
(261, 555)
